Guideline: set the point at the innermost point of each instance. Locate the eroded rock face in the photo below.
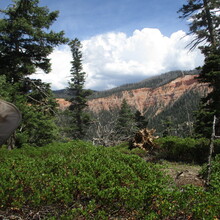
(145, 98)
(63, 104)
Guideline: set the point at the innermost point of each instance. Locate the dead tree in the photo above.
(102, 129)
(215, 135)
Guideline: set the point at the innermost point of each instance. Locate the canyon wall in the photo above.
(145, 98)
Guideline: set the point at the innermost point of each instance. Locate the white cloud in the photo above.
(60, 64)
(113, 59)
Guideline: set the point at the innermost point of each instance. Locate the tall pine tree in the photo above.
(25, 43)
(79, 118)
(205, 21)
(205, 25)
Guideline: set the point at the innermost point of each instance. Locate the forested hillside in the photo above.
(169, 107)
(152, 82)
(168, 101)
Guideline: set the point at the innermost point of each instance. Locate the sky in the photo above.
(124, 41)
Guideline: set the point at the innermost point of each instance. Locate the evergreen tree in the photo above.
(210, 105)
(126, 123)
(167, 126)
(205, 21)
(141, 121)
(25, 43)
(80, 119)
(206, 26)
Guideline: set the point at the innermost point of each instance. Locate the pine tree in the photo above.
(206, 27)
(204, 21)
(80, 119)
(141, 121)
(126, 123)
(210, 105)
(25, 43)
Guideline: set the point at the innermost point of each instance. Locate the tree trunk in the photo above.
(211, 149)
(210, 23)
(11, 142)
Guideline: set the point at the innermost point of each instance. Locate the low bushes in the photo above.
(78, 178)
(215, 174)
(79, 181)
(186, 149)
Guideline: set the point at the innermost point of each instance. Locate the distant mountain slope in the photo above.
(169, 107)
(62, 93)
(152, 82)
(170, 98)
(154, 99)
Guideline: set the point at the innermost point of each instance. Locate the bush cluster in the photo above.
(82, 181)
(215, 174)
(186, 149)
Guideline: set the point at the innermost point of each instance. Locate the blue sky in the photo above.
(86, 18)
(121, 39)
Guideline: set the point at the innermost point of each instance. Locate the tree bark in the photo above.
(210, 23)
(211, 149)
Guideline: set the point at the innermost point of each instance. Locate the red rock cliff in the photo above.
(145, 98)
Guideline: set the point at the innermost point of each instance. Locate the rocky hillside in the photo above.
(171, 98)
(144, 99)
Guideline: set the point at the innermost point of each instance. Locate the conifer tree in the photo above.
(80, 119)
(205, 26)
(25, 43)
(126, 125)
(141, 121)
(205, 22)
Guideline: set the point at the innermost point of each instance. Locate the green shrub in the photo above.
(215, 174)
(96, 180)
(186, 149)
(81, 181)
(124, 148)
(188, 203)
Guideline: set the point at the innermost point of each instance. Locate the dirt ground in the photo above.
(183, 174)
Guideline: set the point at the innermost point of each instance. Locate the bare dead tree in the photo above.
(211, 149)
(102, 131)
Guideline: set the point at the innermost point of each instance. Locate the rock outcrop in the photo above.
(144, 98)
(62, 103)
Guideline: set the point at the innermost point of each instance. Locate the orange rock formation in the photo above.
(145, 98)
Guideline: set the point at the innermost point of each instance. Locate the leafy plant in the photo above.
(185, 149)
(79, 180)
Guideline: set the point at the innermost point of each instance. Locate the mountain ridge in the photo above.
(153, 81)
(142, 99)
(173, 97)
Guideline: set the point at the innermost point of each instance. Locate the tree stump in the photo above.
(144, 139)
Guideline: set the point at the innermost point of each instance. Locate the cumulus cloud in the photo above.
(60, 64)
(113, 59)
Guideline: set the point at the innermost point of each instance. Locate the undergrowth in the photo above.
(89, 182)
